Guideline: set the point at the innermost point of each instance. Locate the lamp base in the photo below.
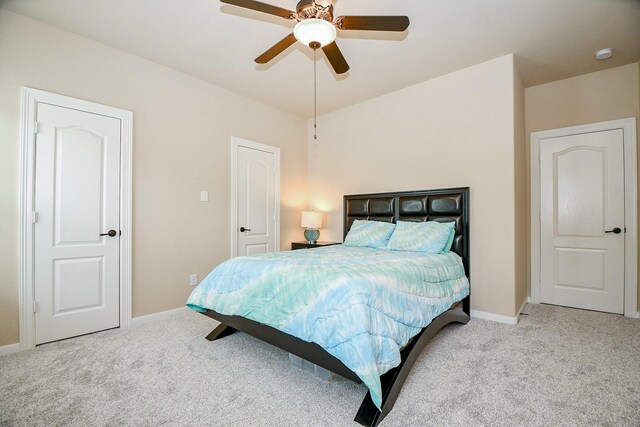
(312, 235)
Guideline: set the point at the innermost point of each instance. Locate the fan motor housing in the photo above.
(308, 9)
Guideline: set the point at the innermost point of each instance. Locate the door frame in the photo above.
(30, 99)
(235, 144)
(628, 127)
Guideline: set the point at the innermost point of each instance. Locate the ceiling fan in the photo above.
(317, 28)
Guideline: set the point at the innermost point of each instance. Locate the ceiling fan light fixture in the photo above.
(315, 30)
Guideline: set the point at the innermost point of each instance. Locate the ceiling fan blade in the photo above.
(373, 23)
(262, 7)
(336, 58)
(276, 49)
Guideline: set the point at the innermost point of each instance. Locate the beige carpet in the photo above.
(558, 366)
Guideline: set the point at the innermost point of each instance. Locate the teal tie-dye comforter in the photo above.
(362, 305)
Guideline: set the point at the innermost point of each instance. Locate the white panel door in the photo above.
(76, 199)
(256, 212)
(582, 221)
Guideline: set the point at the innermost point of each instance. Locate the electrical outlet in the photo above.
(193, 279)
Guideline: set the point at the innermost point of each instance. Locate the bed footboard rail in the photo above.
(309, 351)
(392, 381)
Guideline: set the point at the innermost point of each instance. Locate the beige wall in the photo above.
(605, 95)
(462, 129)
(455, 130)
(590, 98)
(520, 178)
(181, 139)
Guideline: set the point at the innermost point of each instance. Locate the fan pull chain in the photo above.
(315, 96)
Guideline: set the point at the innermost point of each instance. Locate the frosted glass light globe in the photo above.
(315, 30)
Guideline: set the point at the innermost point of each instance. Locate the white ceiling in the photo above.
(552, 39)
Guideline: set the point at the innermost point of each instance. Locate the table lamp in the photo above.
(311, 220)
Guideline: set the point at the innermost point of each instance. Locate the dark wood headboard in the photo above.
(444, 205)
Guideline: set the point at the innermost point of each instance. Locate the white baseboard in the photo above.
(494, 317)
(141, 320)
(498, 317)
(8, 349)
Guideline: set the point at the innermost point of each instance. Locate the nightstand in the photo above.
(305, 245)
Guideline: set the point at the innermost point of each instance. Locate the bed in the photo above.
(258, 296)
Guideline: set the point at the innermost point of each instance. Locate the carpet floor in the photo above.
(558, 366)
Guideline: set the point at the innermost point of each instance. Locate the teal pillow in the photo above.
(369, 234)
(431, 236)
(447, 246)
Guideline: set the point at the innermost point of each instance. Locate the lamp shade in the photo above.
(315, 30)
(311, 219)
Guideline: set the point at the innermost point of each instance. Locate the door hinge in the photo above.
(34, 217)
(35, 306)
(36, 128)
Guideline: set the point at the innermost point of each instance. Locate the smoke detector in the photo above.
(604, 53)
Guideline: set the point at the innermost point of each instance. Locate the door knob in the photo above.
(242, 229)
(614, 231)
(110, 233)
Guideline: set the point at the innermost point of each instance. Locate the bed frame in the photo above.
(443, 205)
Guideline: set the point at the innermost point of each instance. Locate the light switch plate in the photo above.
(193, 279)
(204, 196)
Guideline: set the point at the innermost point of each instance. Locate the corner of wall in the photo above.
(521, 261)
(638, 139)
